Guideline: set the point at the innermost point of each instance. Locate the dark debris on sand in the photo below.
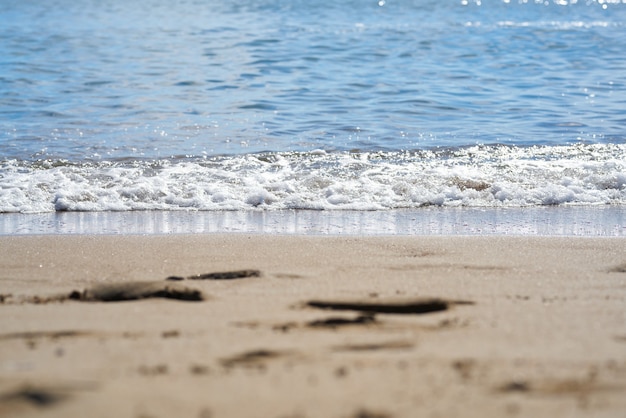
(336, 322)
(34, 396)
(224, 275)
(113, 292)
(252, 358)
(407, 307)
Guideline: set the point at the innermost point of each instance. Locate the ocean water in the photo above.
(353, 105)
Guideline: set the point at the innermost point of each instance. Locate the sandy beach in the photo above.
(312, 326)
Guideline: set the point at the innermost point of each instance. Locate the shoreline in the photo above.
(522, 326)
(544, 221)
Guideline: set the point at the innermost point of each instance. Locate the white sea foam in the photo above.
(481, 176)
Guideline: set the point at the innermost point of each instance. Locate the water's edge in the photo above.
(546, 221)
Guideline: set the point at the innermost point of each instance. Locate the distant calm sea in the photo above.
(125, 105)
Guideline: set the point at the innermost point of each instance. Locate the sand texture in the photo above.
(274, 326)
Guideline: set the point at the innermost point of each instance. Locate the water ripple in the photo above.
(120, 80)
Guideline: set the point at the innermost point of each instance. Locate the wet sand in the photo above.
(605, 220)
(312, 326)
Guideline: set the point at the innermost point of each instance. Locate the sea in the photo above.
(326, 116)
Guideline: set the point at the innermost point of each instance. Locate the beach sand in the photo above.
(482, 326)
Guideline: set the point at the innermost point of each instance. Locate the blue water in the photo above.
(122, 105)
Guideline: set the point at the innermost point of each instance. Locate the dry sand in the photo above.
(520, 326)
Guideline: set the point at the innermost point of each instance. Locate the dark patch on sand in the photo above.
(285, 327)
(156, 370)
(464, 367)
(341, 372)
(515, 386)
(31, 335)
(223, 275)
(39, 397)
(407, 307)
(390, 345)
(246, 324)
(366, 319)
(122, 291)
(618, 269)
(199, 369)
(255, 358)
(336, 322)
(37, 300)
(577, 387)
(366, 413)
(288, 276)
(113, 292)
(170, 334)
(175, 278)
(451, 323)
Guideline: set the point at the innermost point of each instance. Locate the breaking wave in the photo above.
(477, 176)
